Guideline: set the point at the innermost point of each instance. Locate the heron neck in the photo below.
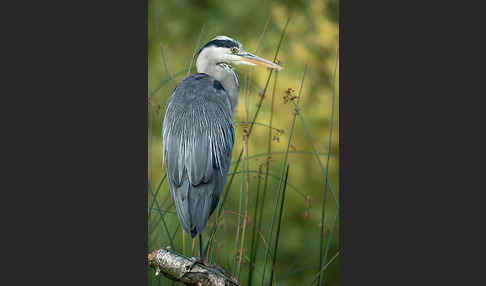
(227, 76)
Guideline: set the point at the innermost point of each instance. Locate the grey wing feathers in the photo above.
(198, 140)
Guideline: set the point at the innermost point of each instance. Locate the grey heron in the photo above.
(198, 133)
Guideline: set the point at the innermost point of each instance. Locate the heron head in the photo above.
(223, 49)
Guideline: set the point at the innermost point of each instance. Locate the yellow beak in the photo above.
(252, 60)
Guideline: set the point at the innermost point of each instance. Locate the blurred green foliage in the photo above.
(174, 30)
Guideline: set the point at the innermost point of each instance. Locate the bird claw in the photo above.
(195, 260)
(199, 260)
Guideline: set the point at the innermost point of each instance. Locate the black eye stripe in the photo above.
(221, 44)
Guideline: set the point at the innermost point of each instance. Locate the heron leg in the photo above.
(200, 248)
(199, 259)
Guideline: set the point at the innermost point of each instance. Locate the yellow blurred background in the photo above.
(177, 29)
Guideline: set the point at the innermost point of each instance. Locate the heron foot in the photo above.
(195, 260)
(200, 260)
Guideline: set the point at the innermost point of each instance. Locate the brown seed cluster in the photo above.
(245, 131)
(289, 95)
(259, 175)
(276, 136)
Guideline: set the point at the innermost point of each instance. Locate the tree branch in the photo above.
(180, 268)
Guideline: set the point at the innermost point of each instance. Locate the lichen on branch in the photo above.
(180, 268)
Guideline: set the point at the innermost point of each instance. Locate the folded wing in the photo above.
(198, 138)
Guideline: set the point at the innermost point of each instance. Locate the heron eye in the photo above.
(234, 50)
